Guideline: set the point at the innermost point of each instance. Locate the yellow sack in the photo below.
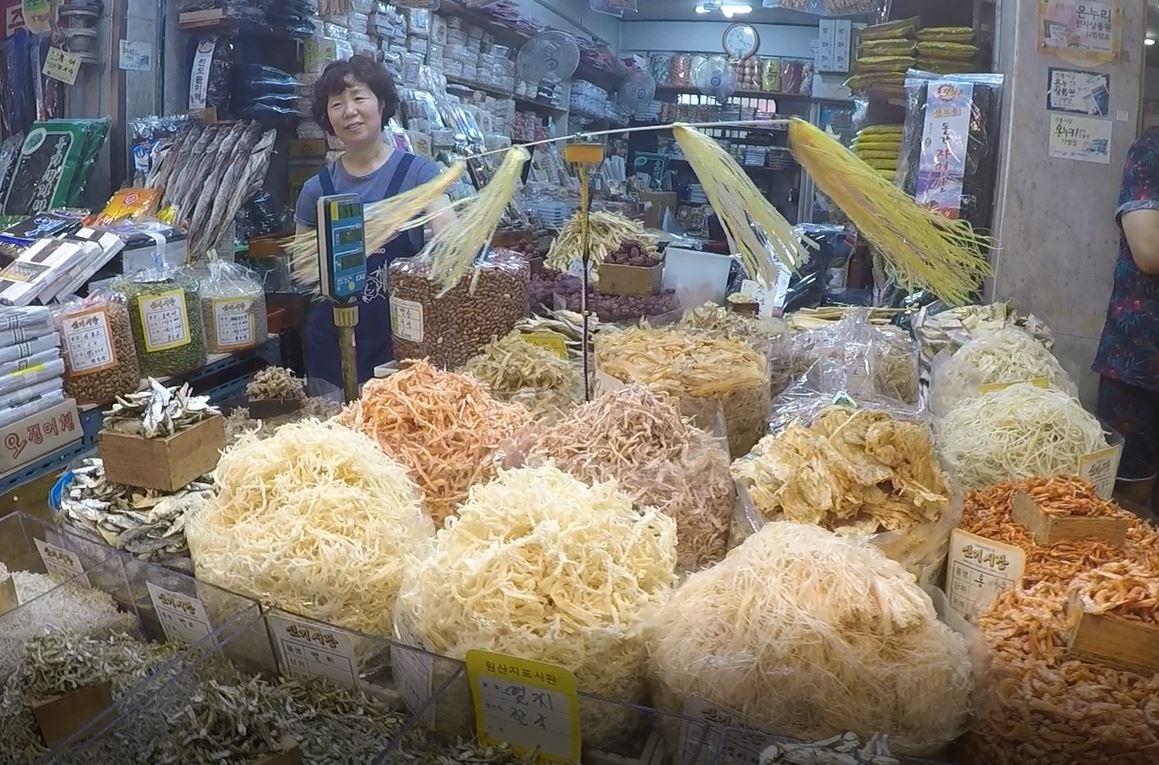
(888, 48)
(947, 50)
(881, 130)
(891, 30)
(946, 34)
(873, 64)
(878, 156)
(869, 79)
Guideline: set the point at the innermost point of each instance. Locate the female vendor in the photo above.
(352, 100)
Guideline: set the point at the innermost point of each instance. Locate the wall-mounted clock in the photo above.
(741, 41)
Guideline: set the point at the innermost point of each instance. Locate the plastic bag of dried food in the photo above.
(872, 64)
(947, 50)
(165, 313)
(902, 28)
(953, 171)
(99, 354)
(233, 308)
(946, 34)
(449, 328)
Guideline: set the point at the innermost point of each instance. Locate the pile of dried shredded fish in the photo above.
(707, 374)
(443, 427)
(518, 372)
(638, 438)
(851, 470)
(1123, 588)
(1047, 708)
(276, 383)
(540, 565)
(838, 750)
(562, 322)
(809, 634)
(607, 231)
(158, 411)
(768, 336)
(315, 520)
(147, 523)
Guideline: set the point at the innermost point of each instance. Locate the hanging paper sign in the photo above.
(61, 65)
(13, 19)
(1078, 92)
(1083, 31)
(37, 16)
(136, 56)
(946, 135)
(1080, 138)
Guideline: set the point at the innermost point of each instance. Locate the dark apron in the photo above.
(372, 338)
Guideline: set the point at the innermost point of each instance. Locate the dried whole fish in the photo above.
(276, 383)
(242, 180)
(201, 205)
(159, 411)
(182, 186)
(839, 750)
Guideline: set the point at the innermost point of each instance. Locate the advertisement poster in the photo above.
(1079, 92)
(1080, 138)
(1082, 31)
(945, 141)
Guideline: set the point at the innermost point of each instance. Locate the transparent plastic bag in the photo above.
(233, 308)
(165, 313)
(448, 329)
(99, 352)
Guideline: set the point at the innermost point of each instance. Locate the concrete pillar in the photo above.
(1054, 219)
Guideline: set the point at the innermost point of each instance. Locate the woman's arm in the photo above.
(442, 212)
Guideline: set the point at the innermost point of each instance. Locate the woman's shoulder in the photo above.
(422, 169)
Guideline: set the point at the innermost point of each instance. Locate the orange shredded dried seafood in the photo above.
(443, 426)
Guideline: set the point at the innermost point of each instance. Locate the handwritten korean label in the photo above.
(88, 342)
(731, 739)
(182, 617)
(980, 570)
(552, 341)
(8, 599)
(13, 19)
(1087, 31)
(59, 562)
(406, 320)
(165, 320)
(526, 704)
(414, 676)
(1037, 382)
(234, 320)
(1101, 468)
(1070, 90)
(310, 650)
(1080, 138)
(61, 65)
(136, 56)
(37, 15)
(942, 166)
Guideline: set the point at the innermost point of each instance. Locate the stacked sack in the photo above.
(880, 147)
(947, 50)
(884, 54)
(31, 367)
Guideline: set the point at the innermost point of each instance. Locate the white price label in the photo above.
(414, 676)
(165, 320)
(310, 650)
(730, 739)
(980, 571)
(182, 617)
(59, 562)
(1101, 468)
(234, 320)
(88, 342)
(406, 320)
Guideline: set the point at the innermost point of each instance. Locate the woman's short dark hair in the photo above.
(336, 77)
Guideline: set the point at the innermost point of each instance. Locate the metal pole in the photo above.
(585, 200)
(346, 319)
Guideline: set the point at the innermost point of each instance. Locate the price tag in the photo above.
(1101, 468)
(61, 65)
(59, 562)
(8, 599)
(165, 320)
(414, 676)
(310, 650)
(136, 56)
(406, 319)
(1037, 382)
(234, 320)
(730, 738)
(88, 342)
(182, 617)
(526, 704)
(552, 341)
(980, 571)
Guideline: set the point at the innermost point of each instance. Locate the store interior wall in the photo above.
(574, 16)
(1055, 225)
(706, 37)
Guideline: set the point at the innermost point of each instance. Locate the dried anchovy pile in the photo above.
(145, 522)
(419, 748)
(60, 662)
(276, 383)
(839, 750)
(159, 411)
(562, 322)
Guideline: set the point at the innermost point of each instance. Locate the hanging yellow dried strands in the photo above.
(739, 204)
(926, 249)
(384, 220)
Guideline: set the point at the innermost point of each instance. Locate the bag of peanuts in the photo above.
(100, 359)
(449, 329)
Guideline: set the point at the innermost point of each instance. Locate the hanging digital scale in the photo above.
(342, 272)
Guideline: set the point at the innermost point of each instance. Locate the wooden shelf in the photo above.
(541, 106)
(202, 22)
(479, 86)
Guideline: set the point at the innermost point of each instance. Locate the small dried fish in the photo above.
(839, 750)
(159, 411)
(276, 383)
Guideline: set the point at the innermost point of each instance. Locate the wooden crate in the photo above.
(1052, 529)
(163, 463)
(1112, 640)
(289, 753)
(58, 717)
(630, 280)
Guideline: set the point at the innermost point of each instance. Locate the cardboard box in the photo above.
(38, 434)
(58, 717)
(659, 202)
(630, 280)
(1112, 640)
(163, 463)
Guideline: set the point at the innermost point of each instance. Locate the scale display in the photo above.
(341, 246)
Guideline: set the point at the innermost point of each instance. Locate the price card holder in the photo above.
(414, 676)
(183, 618)
(1112, 640)
(1101, 468)
(308, 649)
(526, 704)
(59, 562)
(730, 737)
(980, 570)
(1037, 382)
(552, 341)
(8, 599)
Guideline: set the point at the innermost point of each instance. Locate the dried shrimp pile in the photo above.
(703, 372)
(1016, 433)
(767, 336)
(442, 426)
(855, 470)
(315, 520)
(811, 635)
(518, 372)
(540, 565)
(638, 438)
(1123, 588)
(608, 230)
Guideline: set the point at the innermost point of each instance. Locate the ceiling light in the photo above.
(1149, 41)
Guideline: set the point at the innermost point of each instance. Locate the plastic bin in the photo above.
(702, 276)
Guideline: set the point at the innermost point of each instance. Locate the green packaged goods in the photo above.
(888, 48)
(54, 165)
(166, 318)
(947, 34)
(947, 50)
(891, 30)
(871, 64)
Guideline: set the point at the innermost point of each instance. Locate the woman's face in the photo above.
(355, 114)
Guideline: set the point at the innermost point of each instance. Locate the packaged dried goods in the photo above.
(233, 308)
(164, 311)
(99, 353)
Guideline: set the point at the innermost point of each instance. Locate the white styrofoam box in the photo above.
(703, 275)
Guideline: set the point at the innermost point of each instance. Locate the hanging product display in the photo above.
(55, 161)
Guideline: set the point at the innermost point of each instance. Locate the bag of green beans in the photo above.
(165, 312)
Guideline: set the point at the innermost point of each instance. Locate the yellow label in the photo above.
(526, 704)
(61, 65)
(1038, 382)
(552, 341)
(164, 320)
